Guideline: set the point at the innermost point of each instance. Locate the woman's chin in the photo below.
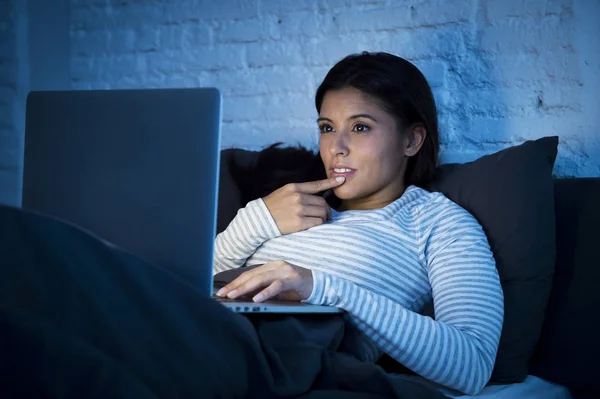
(344, 193)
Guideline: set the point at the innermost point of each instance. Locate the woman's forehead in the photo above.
(348, 97)
(346, 102)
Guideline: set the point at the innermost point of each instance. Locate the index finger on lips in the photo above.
(314, 187)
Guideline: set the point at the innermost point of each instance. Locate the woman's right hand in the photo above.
(295, 207)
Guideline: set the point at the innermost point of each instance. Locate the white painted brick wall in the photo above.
(502, 71)
(13, 91)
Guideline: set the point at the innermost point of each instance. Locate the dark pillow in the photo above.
(511, 195)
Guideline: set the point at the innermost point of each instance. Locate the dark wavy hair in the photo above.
(402, 91)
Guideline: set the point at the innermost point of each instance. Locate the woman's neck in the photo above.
(374, 201)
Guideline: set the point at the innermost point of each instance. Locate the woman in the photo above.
(388, 246)
(81, 319)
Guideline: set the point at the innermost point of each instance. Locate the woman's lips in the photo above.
(345, 174)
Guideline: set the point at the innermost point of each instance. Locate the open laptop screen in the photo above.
(139, 168)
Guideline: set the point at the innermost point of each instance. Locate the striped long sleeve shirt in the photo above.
(382, 266)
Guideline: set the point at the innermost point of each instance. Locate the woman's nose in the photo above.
(339, 146)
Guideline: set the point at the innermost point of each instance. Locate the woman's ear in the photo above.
(414, 139)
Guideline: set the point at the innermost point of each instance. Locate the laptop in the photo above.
(139, 169)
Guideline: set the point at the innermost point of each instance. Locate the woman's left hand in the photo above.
(274, 278)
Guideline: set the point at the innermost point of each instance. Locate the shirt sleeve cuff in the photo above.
(322, 285)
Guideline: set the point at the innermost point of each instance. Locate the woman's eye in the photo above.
(359, 127)
(325, 129)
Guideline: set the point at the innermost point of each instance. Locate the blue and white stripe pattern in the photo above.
(382, 266)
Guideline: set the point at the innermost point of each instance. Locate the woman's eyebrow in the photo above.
(363, 116)
(352, 117)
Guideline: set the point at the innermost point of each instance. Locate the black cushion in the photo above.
(568, 352)
(511, 195)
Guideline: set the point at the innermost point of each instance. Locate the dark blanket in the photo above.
(80, 319)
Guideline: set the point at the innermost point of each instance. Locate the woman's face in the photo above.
(360, 141)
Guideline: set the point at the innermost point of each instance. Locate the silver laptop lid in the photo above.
(139, 168)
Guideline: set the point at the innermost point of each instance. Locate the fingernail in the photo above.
(221, 292)
(258, 298)
(340, 178)
(231, 294)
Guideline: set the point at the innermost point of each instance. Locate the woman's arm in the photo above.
(252, 226)
(458, 349)
(289, 209)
